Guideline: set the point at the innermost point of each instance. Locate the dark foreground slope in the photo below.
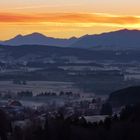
(127, 96)
(125, 127)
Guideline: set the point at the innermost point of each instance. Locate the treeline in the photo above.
(60, 94)
(19, 82)
(124, 127)
(25, 94)
(28, 93)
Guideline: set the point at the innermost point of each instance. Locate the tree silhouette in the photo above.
(5, 125)
(106, 109)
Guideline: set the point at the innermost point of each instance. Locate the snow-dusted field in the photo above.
(95, 118)
(38, 87)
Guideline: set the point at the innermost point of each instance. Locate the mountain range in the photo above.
(38, 39)
(116, 40)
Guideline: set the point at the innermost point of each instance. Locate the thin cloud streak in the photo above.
(69, 18)
(33, 7)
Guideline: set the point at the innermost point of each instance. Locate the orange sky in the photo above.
(61, 18)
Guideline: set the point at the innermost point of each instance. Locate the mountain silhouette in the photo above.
(38, 39)
(116, 40)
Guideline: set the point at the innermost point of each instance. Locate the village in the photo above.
(24, 107)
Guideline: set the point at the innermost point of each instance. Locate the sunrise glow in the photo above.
(65, 19)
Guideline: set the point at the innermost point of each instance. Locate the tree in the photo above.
(106, 109)
(24, 82)
(5, 125)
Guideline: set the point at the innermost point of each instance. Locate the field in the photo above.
(38, 87)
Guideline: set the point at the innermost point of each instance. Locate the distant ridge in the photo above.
(38, 39)
(116, 40)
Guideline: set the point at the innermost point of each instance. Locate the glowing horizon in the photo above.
(66, 19)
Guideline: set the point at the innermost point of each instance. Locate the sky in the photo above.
(67, 18)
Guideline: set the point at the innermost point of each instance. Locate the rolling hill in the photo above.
(40, 52)
(126, 96)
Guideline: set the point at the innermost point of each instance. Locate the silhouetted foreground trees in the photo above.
(106, 109)
(124, 127)
(5, 125)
